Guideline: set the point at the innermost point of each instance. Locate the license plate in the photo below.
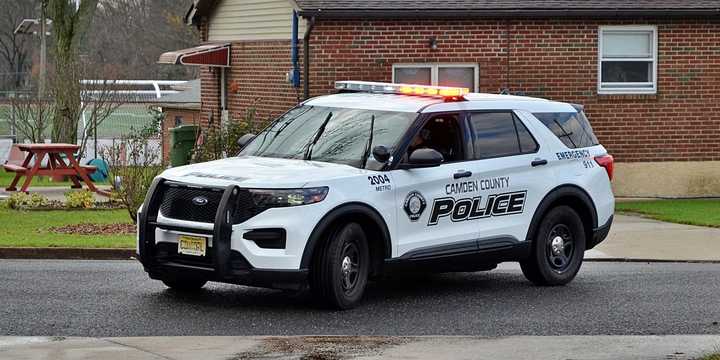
(192, 245)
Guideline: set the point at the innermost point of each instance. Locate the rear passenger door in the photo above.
(513, 176)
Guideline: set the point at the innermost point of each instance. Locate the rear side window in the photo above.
(500, 134)
(572, 128)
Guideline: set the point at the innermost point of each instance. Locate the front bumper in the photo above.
(222, 263)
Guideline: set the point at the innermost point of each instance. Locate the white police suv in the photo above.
(385, 177)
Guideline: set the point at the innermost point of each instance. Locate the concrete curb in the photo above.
(640, 260)
(66, 253)
(681, 347)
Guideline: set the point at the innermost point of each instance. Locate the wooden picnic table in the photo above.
(56, 154)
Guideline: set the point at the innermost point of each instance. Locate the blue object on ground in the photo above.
(102, 170)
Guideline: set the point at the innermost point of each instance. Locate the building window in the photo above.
(460, 75)
(627, 60)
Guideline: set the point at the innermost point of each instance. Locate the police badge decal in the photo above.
(414, 205)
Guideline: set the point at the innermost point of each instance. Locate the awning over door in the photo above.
(208, 54)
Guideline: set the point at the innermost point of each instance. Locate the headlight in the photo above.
(269, 198)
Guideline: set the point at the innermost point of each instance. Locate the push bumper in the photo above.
(222, 264)
(600, 234)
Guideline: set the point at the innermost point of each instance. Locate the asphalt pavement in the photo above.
(115, 298)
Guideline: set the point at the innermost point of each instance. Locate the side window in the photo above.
(500, 134)
(572, 128)
(443, 134)
(527, 142)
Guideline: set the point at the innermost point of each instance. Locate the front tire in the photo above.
(340, 267)
(557, 249)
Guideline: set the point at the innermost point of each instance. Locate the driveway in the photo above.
(115, 298)
(633, 237)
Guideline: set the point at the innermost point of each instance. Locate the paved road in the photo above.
(115, 298)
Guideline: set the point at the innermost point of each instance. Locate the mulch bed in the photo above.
(94, 229)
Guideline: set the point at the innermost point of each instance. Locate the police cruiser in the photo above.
(385, 177)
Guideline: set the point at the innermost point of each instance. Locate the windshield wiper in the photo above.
(366, 153)
(320, 131)
(566, 134)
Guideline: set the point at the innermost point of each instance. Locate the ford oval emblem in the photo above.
(200, 200)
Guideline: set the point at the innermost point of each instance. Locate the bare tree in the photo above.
(15, 49)
(69, 29)
(100, 100)
(149, 28)
(31, 116)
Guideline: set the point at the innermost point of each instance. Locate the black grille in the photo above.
(177, 203)
(245, 207)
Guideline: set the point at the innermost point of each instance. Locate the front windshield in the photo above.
(336, 135)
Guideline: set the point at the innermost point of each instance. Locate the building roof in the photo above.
(187, 98)
(505, 8)
(485, 8)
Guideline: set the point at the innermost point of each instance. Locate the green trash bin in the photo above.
(182, 141)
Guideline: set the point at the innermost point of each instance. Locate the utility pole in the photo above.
(43, 52)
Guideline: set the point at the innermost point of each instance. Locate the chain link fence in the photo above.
(110, 132)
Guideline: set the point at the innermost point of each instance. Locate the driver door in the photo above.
(425, 197)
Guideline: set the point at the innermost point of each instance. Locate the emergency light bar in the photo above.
(403, 89)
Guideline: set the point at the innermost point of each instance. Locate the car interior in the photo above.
(441, 133)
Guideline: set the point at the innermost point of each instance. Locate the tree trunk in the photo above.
(69, 28)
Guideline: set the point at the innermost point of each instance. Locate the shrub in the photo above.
(221, 141)
(83, 199)
(133, 166)
(21, 200)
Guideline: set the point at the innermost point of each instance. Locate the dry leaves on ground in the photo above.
(94, 229)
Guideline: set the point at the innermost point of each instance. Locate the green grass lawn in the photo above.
(41, 181)
(703, 212)
(30, 228)
(715, 356)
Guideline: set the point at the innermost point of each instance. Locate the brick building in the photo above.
(648, 72)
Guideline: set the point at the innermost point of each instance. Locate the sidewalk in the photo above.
(55, 192)
(362, 347)
(637, 238)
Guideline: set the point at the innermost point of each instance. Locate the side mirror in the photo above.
(245, 139)
(425, 157)
(381, 153)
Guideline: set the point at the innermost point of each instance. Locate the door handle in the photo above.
(538, 162)
(462, 174)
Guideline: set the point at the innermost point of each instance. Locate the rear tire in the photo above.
(184, 285)
(340, 267)
(557, 249)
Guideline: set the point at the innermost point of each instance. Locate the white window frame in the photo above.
(642, 88)
(434, 71)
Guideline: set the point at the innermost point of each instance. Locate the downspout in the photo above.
(223, 90)
(295, 73)
(306, 61)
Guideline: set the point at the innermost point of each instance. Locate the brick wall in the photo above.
(555, 59)
(171, 119)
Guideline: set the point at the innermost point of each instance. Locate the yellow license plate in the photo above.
(192, 245)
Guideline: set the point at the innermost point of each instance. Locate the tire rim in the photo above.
(350, 266)
(560, 248)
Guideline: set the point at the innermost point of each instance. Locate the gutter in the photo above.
(502, 13)
(306, 58)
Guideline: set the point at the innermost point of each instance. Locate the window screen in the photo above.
(573, 128)
(456, 76)
(413, 75)
(495, 135)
